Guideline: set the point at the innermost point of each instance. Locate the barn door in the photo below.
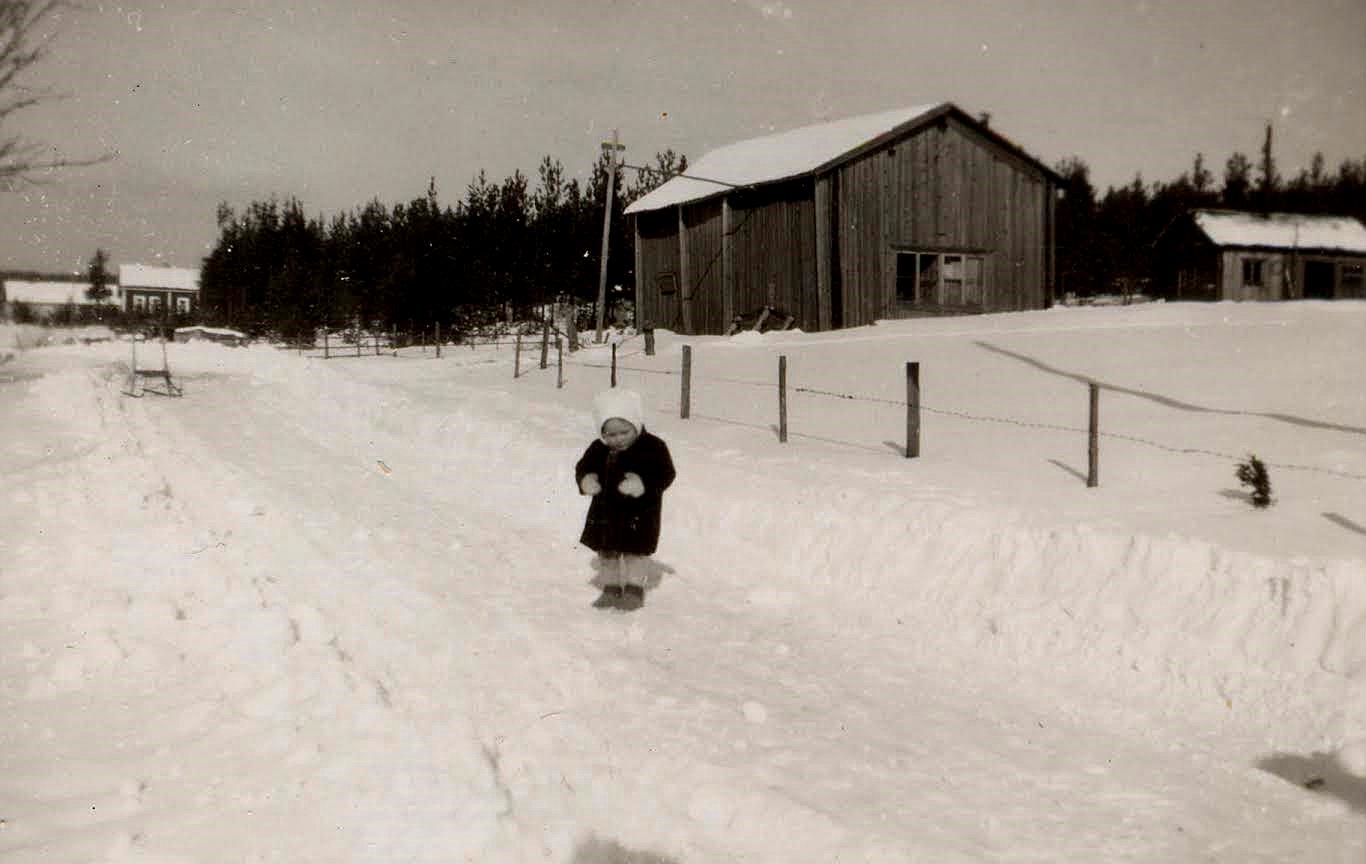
(669, 312)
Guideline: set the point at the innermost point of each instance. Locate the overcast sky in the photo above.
(336, 103)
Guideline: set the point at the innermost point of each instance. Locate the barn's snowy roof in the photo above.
(150, 276)
(777, 157)
(1282, 230)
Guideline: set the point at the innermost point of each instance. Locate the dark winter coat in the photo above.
(617, 522)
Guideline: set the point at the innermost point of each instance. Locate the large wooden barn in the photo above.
(918, 211)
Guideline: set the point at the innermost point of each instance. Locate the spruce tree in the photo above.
(97, 274)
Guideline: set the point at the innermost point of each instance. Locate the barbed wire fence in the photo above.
(914, 404)
(624, 347)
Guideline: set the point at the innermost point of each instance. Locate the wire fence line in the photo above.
(982, 418)
(531, 344)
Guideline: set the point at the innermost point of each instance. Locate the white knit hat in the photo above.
(623, 404)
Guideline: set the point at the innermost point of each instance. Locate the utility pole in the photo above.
(611, 148)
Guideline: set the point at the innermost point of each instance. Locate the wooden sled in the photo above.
(761, 321)
(137, 377)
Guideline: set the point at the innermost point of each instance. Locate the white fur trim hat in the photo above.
(623, 404)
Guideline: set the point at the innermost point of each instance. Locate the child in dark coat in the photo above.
(626, 471)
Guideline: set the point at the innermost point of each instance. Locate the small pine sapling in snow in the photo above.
(1252, 473)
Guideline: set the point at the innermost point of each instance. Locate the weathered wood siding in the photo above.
(1231, 276)
(942, 188)
(658, 255)
(702, 287)
(774, 247)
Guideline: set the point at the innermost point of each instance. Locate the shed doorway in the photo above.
(1318, 280)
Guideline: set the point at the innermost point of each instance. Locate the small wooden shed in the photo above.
(1237, 255)
(916, 211)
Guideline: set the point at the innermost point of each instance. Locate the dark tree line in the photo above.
(1106, 244)
(505, 245)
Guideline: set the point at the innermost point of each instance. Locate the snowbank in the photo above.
(333, 610)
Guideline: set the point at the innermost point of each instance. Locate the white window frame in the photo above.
(959, 278)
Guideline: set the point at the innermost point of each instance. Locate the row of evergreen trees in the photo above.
(415, 265)
(411, 266)
(1107, 244)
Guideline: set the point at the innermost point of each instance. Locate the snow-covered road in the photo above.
(329, 612)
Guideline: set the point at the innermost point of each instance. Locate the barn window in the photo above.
(939, 278)
(1252, 271)
(1351, 280)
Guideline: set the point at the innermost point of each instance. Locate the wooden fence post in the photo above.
(912, 409)
(614, 364)
(649, 332)
(685, 401)
(559, 363)
(782, 399)
(1093, 450)
(438, 340)
(327, 349)
(545, 341)
(517, 358)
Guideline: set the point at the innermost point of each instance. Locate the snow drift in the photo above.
(339, 602)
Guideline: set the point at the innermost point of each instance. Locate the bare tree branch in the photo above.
(21, 161)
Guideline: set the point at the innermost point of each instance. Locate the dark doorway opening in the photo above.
(1318, 280)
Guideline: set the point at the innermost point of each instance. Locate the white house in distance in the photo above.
(45, 293)
(150, 288)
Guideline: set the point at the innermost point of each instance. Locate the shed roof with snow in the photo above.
(1282, 231)
(157, 277)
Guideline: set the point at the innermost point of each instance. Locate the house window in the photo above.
(182, 305)
(1351, 280)
(940, 278)
(1252, 272)
(140, 302)
(154, 303)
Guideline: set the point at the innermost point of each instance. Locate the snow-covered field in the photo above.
(326, 611)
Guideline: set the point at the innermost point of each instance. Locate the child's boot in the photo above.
(632, 597)
(609, 598)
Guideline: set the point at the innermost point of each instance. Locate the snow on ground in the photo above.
(335, 611)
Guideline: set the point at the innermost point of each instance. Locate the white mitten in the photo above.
(589, 485)
(631, 485)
